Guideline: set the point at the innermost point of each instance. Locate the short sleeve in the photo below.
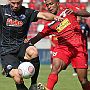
(33, 15)
(46, 30)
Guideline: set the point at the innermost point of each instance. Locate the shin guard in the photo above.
(36, 64)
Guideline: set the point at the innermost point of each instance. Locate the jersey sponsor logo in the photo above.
(14, 23)
(22, 16)
(63, 25)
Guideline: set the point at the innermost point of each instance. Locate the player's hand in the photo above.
(58, 18)
(26, 40)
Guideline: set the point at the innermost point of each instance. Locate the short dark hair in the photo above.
(57, 0)
(54, 0)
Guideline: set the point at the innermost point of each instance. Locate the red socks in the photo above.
(52, 80)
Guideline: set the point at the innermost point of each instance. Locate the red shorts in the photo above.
(74, 55)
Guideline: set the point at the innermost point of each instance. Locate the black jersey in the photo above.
(14, 26)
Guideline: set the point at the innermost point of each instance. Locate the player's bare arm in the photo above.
(79, 12)
(48, 16)
(82, 13)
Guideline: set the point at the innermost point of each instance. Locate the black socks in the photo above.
(36, 64)
(21, 87)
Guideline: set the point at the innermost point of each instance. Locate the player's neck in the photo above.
(58, 11)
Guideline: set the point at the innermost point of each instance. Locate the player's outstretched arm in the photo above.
(82, 13)
(48, 16)
(35, 39)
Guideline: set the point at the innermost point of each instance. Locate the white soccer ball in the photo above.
(26, 70)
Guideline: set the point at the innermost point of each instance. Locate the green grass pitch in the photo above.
(65, 82)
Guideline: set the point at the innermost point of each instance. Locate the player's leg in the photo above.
(18, 80)
(57, 66)
(10, 64)
(32, 56)
(36, 64)
(60, 62)
(80, 62)
(82, 76)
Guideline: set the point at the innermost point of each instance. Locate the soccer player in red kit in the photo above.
(70, 47)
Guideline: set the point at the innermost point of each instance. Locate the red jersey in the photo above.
(68, 31)
(54, 40)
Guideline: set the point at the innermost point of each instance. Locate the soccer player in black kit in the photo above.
(14, 22)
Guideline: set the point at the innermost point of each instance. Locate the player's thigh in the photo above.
(22, 50)
(80, 61)
(31, 52)
(63, 56)
(9, 62)
(58, 65)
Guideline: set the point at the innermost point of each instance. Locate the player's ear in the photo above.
(58, 4)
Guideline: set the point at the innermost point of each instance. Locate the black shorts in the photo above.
(13, 58)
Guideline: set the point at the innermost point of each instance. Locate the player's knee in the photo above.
(58, 66)
(56, 69)
(31, 53)
(14, 73)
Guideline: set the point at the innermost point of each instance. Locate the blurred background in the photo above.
(44, 45)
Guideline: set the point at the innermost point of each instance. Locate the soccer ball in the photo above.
(26, 70)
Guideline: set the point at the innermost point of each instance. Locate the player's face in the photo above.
(15, 4)
(52, 6)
